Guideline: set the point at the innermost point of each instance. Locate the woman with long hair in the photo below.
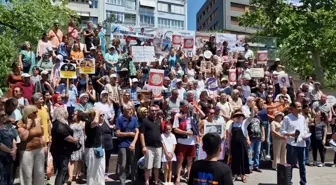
(62, 145)
(43, 46)
(319, 136)
(56, 102)
(13, 77)
(31, 148)
(279, 141)
(77, 157)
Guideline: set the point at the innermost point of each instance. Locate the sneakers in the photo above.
(267, 157)
(315, 163)
(321, 165)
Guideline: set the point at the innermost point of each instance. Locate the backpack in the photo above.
(254, 129)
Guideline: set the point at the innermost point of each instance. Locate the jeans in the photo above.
(61, 162)
(254, 151)
(308, 142)
(293, 153)
(267, 142)
(127, 163)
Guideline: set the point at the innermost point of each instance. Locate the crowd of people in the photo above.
(75, 127)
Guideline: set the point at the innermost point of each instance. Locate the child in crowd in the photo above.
(169, 143)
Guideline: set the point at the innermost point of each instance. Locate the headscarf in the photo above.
(54, 98)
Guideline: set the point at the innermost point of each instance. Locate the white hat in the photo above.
(93, 48)
(135, 80)
(104, 92)
(277, 59)
(25, 75)
(44, 72)
(113, 75)
(111, 46)
(178, 80)
(83, 95)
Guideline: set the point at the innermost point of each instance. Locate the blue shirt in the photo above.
(126, 125)
(134, 96)
(72, 99)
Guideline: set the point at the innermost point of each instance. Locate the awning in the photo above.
(148, 3)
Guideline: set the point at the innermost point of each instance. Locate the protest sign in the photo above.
(232, 76)
(257, 72)
(146, 95)
(188, 43)
(68, 71)
(231, 39)
(212, 84)
(87, 66)
(262, 57)
(201, 38)
(124, 79)
(143, 53)
(202, 154)
(156, 78)
(283, 80)
(177, 40)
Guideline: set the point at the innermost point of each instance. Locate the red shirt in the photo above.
(27, 91)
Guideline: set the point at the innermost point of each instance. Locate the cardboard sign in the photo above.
(124, 80)
(87, 66)
(156, 78)
(177, 40)
(283, 80)
(231, 39)
(262, 57)
(68, 71)
(188, 43)
(257, 72)
(232, 76)
(143, 53)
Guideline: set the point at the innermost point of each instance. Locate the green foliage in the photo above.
(306, 33)
(27, 20)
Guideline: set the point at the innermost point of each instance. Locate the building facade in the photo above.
(223, 15)
(145, 13)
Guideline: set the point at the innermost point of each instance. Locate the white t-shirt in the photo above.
(275, 80)
(190, 140)
(169, 141)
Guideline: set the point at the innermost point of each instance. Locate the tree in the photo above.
(27, 20)
(306, 32)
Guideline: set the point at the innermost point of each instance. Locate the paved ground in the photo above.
(315, 176)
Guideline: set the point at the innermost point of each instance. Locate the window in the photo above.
(234, 20)
(130, 4)
(237, 7)
(115, 2)
(146, 20)
(177, 9)
(169, 23)
(130, 19)
(163, 7)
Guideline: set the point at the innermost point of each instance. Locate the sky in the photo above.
(193, 7)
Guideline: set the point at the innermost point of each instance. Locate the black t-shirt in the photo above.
(152, 132)
(93, 136)
(59, 132)
(210, 172)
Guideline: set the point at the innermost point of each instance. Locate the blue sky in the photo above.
(193, 7)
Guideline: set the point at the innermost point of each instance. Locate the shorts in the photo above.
(153, 158)
(183, 151)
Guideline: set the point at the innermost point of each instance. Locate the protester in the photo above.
(279, 141)
(210, 169)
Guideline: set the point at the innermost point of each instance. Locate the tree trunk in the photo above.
(319, 73)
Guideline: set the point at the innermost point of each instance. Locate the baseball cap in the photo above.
(44, 72)
(277, 59)
(178, 80)
(83, 95)
(111, 46)
(134, 80)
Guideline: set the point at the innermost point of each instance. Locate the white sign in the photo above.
(143, 53)
(231, 39)
(331, 100)
(215, 129)
(257, 72)
(283, 80)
